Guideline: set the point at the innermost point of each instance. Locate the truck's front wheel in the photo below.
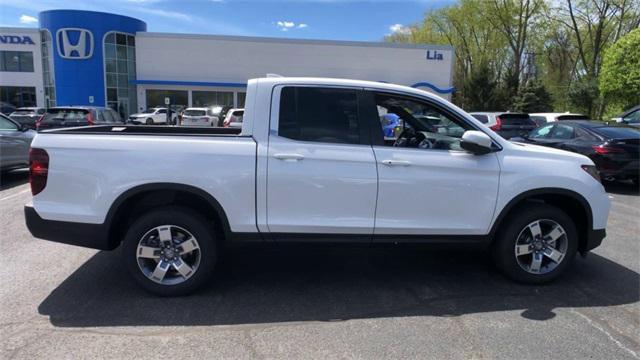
(170, 251)
(536, 244)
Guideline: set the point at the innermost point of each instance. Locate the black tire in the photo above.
(182, 217)
(512, 226)
(149, 121)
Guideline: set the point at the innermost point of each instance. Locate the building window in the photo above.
(212, 98)
(47, 69)
(242, 96)
(120, 70)
(17, 96)
(155, 98)
(16, 61)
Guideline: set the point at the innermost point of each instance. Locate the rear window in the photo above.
(195, 112)
(539, 120)
(66, 114)
(572, 117)
(614, 132)
(482, 118)
(516, 119)
(328, 115)
(23, 112)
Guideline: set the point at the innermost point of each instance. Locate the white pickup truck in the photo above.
(311, 164)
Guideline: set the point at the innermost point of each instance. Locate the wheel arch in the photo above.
(571, 202)
(136, 200)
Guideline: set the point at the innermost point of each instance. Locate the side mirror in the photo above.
(476, 142)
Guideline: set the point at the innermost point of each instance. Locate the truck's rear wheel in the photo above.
(170, 251)
(536, 245)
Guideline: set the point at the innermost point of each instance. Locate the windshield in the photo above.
(150, 110)
(66, 114)
(195, 112)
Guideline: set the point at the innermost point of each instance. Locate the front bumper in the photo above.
(95, 236)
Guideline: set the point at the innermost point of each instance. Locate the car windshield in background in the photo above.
(619, 132)
(572, 117)
(516, 119)
(150, 110)
(195, 112)
(66, 114)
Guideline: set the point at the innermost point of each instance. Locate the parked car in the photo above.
(6, 108)
(506, 124)
(541, 118)
(27, 116)
(152, 116)
(71, 116)
(311, 164)
(233, 118)
(614, 149)
(630, 117)
(199, 116)
(15, 140)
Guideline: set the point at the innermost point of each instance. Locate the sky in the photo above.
(315, 19)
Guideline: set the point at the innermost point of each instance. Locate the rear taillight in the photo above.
(498, 124)
(206, 118)
(607, 149)
(38, 169)
(39, 121)
(90, 118)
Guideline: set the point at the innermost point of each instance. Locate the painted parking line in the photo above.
(16, 194)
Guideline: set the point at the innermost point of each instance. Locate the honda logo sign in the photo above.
(74, 43)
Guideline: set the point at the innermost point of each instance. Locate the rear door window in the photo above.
(328, 115)
(542, 132)
(66, 115)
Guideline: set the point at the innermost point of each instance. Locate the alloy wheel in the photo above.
(541, 246)
(168, 254)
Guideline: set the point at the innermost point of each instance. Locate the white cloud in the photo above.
(26, 19)
(399, 29)
(285, 25)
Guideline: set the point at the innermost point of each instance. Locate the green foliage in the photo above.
(583, 95)
(620, 74)
(533, 97)
(557, 47)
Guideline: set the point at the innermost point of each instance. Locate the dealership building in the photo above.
(100, 59)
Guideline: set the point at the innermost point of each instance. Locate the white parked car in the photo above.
(199, 116)
(311, 164)
(541, 118)
(234, 118)
(152, 116)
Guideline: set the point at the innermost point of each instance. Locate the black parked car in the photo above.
(613, 148)
(60, 117)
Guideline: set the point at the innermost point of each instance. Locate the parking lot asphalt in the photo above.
(59, 301)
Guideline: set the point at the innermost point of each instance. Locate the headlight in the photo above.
(592, 170)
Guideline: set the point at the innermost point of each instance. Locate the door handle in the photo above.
(396, 162)
(293, 157)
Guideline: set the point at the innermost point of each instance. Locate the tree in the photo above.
(533, 97)
(480, 92)
(620, 74)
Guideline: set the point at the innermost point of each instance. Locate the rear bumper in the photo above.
(594, 239)
(93, 236)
